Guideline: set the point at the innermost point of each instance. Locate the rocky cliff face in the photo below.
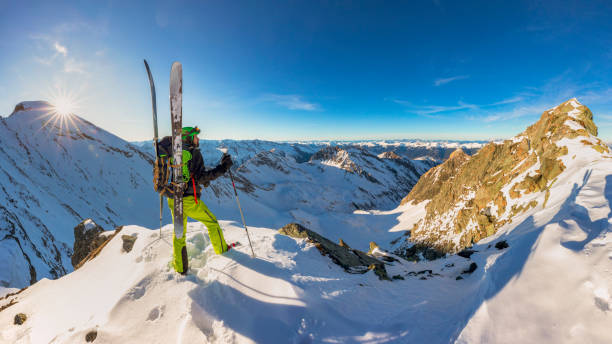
(469, 198)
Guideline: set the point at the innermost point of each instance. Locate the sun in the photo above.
(59, 114)
(63, 105)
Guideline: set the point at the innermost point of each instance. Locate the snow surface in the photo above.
(551, 285)
(56, 172)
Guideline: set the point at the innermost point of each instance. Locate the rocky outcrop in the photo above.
(337, 156)
(351, 260)
(467, 197)
(389, 155)
(128, 242)
(20, 318)
(87, 238)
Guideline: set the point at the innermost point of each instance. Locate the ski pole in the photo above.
(241, 215)
(161, 212)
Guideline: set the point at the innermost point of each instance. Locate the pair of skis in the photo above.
(176, 116)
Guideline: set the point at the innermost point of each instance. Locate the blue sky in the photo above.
(293, 70)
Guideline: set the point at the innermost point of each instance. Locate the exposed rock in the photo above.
(128, 242)
(97, 251)
(471, 269)
(342, 243)
(351, 260)
(466, 253)
(373, 246)
(20, 319)
(398, 277)
(91, 336)
(500, 245)
(87, 238)
(389, 155)
(417, 252)
(468, 197)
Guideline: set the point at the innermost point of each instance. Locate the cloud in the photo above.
(508, 101)
(60, 49)
(520, 111)
(442, 81)
(291, 102)
(429, 110)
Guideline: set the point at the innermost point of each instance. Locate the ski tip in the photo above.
(176, 65)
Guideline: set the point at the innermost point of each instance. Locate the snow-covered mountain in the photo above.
(539, 275)
(468, 198)
(56, 171)
(243, 150)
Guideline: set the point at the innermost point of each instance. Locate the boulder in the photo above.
(87, 238)
(351, 260)
(471, 269)
(20, 319)
(500, 245)
(91, 336)
(128, 242)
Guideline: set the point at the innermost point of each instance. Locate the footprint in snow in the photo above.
(140, 289)
(156, 313)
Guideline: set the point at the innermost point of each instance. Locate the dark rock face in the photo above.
(471, 269)
(91, 336)
(500, 245)
(351, 260)
(415, 252)
(87, 238)
(128, 242)
(20, 319)
(466, 253)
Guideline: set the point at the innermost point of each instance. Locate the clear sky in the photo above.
(292, 70)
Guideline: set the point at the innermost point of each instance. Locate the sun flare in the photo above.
(63, 106)
(60, 114)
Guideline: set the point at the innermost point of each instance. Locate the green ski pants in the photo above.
(201, 213)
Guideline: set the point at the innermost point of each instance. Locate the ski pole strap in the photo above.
(195, 196)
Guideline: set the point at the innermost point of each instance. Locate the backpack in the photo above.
(162, 168)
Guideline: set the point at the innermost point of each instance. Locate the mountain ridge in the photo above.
(471, 197)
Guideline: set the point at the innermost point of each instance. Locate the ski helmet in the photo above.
(189, 132)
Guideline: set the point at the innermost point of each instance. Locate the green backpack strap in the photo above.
(186, 158)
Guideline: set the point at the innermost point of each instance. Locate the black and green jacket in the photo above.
(197, 169)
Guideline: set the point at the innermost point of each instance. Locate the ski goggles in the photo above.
(190, 132)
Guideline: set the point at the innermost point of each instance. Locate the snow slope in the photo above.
(55, 172)
(551, 285)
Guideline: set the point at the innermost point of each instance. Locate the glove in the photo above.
(226, 161)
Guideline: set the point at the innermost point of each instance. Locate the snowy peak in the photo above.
(39, 105)
(567, 120)
(470, 198)
(56, 171)
(389, 155)
(335, 156)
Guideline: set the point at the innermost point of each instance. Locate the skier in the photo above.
(194, 174)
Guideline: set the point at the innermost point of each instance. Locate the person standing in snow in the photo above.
(196, 173)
